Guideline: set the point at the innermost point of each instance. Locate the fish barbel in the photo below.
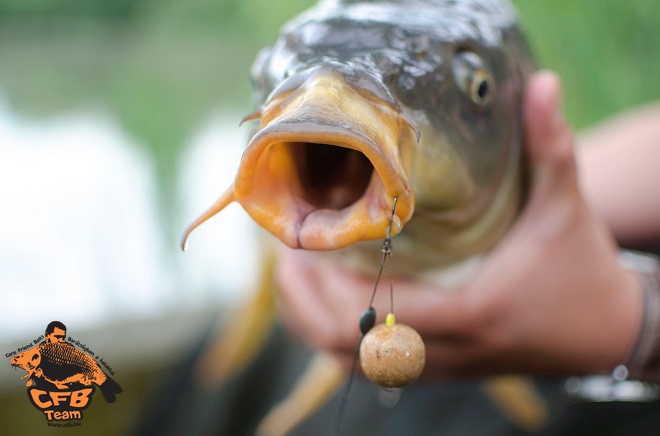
(365, 102)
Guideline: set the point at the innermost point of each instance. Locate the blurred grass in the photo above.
(607, 52)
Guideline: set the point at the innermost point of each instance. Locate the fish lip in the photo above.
(308, 131)
(337, 106)
(307, 227)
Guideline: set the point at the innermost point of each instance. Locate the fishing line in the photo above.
(386, 250)
(368, 317)
(391, 280)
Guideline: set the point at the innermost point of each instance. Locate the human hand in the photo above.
(551, 298)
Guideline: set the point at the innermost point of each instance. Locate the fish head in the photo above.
(366, 102)
(332, 152)
(27, 360)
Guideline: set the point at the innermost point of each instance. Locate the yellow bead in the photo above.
(390, 320)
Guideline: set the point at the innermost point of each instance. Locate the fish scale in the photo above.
(67, 360)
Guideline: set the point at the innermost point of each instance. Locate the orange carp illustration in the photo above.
(55, 364)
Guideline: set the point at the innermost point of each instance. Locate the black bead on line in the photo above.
(368, 319)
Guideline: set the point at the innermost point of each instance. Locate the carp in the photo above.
(364, 103)
(63, 365)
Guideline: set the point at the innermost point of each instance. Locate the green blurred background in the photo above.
(162, 67)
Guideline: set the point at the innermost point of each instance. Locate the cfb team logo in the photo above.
(61, 377)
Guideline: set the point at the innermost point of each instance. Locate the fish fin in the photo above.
(245, 336)
(109, 389)
(517, 398)
(226, 198)
(322, 378)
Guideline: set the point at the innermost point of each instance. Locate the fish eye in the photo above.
(472, 78)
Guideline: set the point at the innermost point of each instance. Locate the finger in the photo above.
(303, 312)
(431, 310)
(323, 306)
(345, 359)
(554, 199)
(347, 295)
(548, 140)
(449, 360)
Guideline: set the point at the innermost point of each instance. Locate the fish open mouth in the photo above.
(331, 177)
(325, 166)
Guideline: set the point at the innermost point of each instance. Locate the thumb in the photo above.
(548, 139)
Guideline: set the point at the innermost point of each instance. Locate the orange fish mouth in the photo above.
(330, 156)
